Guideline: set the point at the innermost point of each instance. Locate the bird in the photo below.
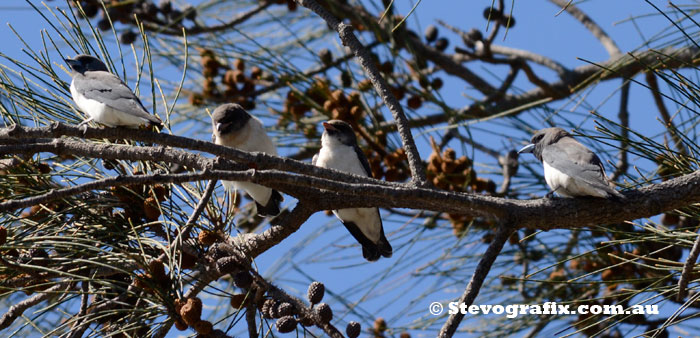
(104, 96)
(339, 150)
(570, 168)
(234, 127)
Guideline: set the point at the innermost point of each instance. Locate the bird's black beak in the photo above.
(72, 63)
(328, 126)
(527, 149)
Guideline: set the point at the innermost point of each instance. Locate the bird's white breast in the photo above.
(568, 186)
(252, 137)
(340, 157)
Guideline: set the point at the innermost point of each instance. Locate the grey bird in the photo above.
(570, 168)
(339, 151)
(234, 127)
(104, 96)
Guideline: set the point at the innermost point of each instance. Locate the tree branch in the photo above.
(482, 270)
(18, 309)
(340, 191)
(593, 27)
(624, 66)
(349, 40)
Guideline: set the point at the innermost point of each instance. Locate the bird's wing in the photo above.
(363, 160)
(109, 89)
(575, 160)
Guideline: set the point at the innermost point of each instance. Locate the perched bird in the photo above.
(570, 168)
(339, 151)
(104, 96)
(233, 127)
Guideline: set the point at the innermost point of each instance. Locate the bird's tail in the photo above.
(372, 251)
(273, 205)
(154, 121)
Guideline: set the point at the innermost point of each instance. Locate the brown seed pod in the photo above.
(239, 64)
(229, 78)
(431, 33)
(328, 105)
(292, 5)
(557, 275)
(339, 97)
(398, 91)
(104, 25)
(127, 38)
(157, 272)
(180, 325)
(191, 312)
(405, 335)
(207, 238)
(269, 307)
(151, 209)
(306, 321)
(324, 312)
(256, 72)
(436, 83)
(228, 265)
(316, 292)
(364, 85)
(326, 56)
(179, 303)
(203, 327)
(608, 275)
(243, 279)
(208, 61)
(161, 192)
(188, 261)
(353, 329)
(196, 99)
(237, 300)
(415, 102)
(286, 324)
(379, 325)
(285, 309)
(441, 44)
(356, 112)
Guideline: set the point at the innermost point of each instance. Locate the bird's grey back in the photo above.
(110, 90)
(576, 160)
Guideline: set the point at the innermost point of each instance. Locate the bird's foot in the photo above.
(84, 125)
(549, 195)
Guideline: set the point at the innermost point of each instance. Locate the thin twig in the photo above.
(624, 116)
(177, 30)
(663, 111)
(688, 269)
(480, 273)
(16, 310)
(250, 312)
(345, 32)
(592, 26)
(195, 215)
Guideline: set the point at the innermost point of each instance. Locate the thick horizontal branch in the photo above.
(254, 160)
(341, 192)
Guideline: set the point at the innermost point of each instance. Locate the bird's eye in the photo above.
(537, 138)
